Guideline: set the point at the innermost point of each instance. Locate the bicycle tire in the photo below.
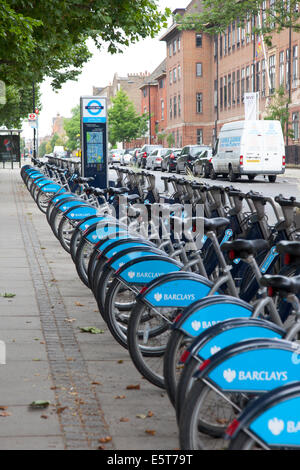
(185, 384)
(171, 368)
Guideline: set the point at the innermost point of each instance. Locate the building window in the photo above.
(170, 50)
(199, 69)
(257, 76)
(243, 34)
(175, 106)
(198, 40)
(179, 43)
(253, 77)
(225, 91)
(247, 79)
(225, 44)
(171, 109)
(272, 72)
(295, 124)
(238, 36)
(233, 87)
(263, 15)
(179, 72)
(281, 68)
(233, 35)
(221, 93)
(238, 87)
(145, 92)
(221, 45)
(242, 85)
(199, 103)
(170, 77)
(229, 38)
(162, 108)
(174, 75)
(199, 136)
(287, 69)
(215, 47)
(263, 77)
(295, 66)
(229, 89)
(248, 29)
(161, 83)
(174, 46)
(179, 105)
(216, 94)
(272, 12)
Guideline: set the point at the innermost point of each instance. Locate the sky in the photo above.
(99, 71)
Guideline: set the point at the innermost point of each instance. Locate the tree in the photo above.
(42, 38)
(124, 123)
(170, 140)
(278, 110)
(72, 128)
(56, 140)
(277, 15)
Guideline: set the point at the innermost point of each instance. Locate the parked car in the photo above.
(154, 160)
(116, 155)
(126, 158)
(187, 156)
(143, 154)
(249, 148)
(201, 164)
(168, 162)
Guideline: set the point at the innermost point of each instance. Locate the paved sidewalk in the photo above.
(84, 377)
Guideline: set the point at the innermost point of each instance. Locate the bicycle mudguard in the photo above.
(117, 246)
(131, 253)
(176, 290)
(274, 417)
(51, 187)
(104, 227)
(63, 206)
(252, 366)
(231, 331)
(89, 222)
(59, 198)
(144, 271)
(81, 211)
(106, 242)
(209, 311)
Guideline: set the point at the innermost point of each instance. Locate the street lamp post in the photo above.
(149, 106)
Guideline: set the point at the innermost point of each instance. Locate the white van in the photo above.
(249, 148)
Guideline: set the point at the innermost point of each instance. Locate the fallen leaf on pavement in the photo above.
(141, 416)
(91, 329)
(120, 397)
(40, 404)
(5, 413)
(105, 439)
(78, 304)
(124, 420)
(133, 387)
(150, 431)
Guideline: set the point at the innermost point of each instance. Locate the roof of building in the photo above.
(154, 76)
(195, 6)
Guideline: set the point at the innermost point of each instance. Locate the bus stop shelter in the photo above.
(10, 147)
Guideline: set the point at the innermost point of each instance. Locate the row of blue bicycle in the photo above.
(201, 284)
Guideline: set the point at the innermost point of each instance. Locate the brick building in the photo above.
(207, 76)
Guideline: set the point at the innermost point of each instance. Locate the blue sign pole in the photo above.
(94, 139)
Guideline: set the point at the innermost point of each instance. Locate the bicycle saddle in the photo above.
(213, 224)
(281, 284)
(241, 248)
(289, 248)
(118, 190)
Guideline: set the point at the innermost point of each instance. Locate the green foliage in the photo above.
(170, 140)
(124, 123)
(213, 19)
(56, 140)
(18, 105)
(72, 128)
(42, 38)
(278, 110)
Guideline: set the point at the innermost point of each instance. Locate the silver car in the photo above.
(155, 158)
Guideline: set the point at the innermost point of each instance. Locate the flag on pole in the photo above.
(259, 47)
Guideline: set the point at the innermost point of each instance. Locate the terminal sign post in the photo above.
(94, 139)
